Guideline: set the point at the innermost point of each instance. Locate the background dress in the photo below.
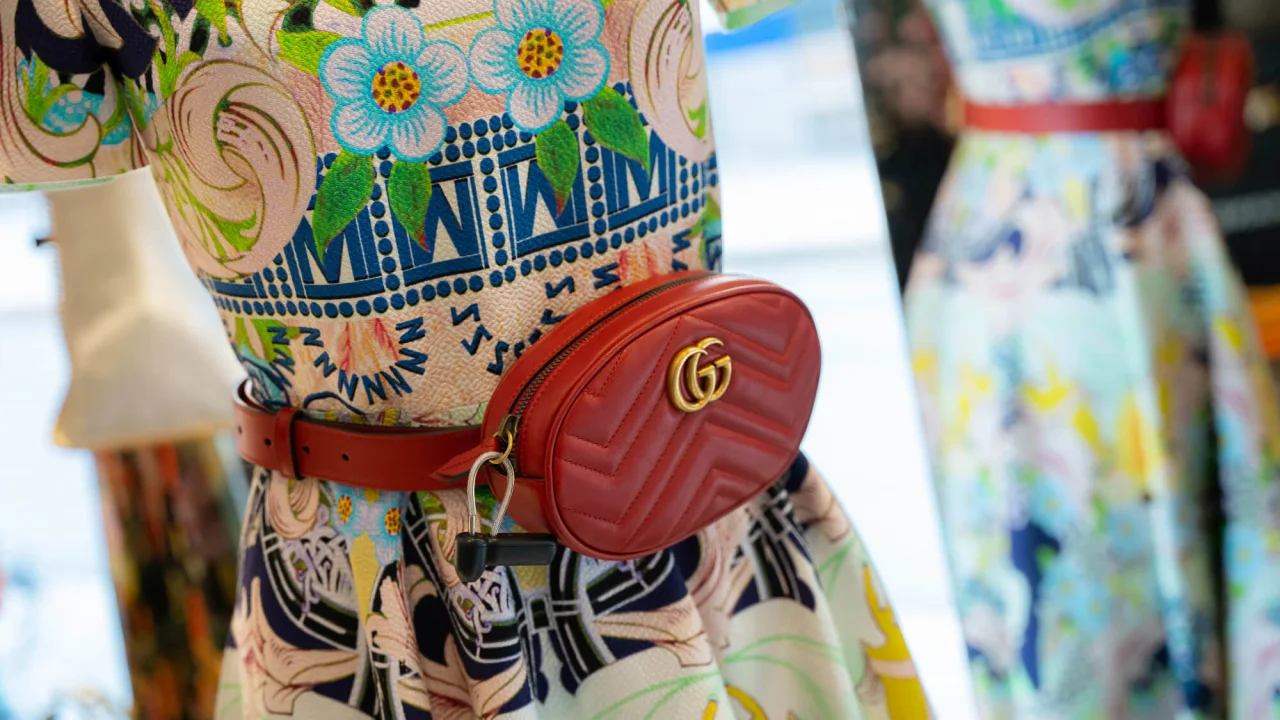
(388, 203)
(1102, 424)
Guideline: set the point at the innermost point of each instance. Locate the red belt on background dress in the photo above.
(1116, 116)
(1203, 113)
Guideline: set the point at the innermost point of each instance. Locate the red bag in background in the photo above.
(1206, 104)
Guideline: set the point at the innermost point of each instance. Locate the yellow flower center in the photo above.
(392, 521)
(540, 53)
(344, 508)
(396, 87)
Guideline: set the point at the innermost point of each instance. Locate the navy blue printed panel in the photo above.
(491, 221)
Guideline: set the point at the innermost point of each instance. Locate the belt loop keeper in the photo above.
(283, 440)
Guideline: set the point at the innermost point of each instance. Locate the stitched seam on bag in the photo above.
(613, 369)
(753, 341)
(687, 510)
(679, 520)
(593, 516)
(751, 414)
(788, 368)
(595, 470)
(631, 408)
(679, 319)
(627, 453)
(602, 315)
(666, 486)
(589, 441)
(608, 441)
(680, 463)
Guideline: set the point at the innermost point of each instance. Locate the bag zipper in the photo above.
(511, 422)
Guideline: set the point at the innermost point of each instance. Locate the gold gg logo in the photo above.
(692, 387)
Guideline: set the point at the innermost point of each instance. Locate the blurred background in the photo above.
(803, 208)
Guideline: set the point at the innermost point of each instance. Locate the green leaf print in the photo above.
(829, 570)
(345, 190)
(698, 116)
(304, 49)
(832, 653)
(1100, 511)
(215, 11)
(135, 98)
(409, 191)
(299, 18)
(351, 7)
(233, 231)
(557, 149)
(673, 687)
(39, 96)
(431, 505)
(983, 10)
(709, 221)
(169, 61)
(240, 336)
(171, 71)
(812, 689)
(616, 125)
(119, 114)
(268, 332)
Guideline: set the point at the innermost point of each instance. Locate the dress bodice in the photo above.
(388, 202)
(1009, 51)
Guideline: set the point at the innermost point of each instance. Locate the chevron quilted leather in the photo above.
(607, 462)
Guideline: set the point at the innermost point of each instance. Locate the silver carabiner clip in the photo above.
(473, 522)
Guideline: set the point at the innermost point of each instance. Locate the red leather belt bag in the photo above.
(640, 418)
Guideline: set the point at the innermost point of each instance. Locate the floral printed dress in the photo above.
(1103, 428)
(389, 202)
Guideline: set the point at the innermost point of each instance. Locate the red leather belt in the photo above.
(383, 458)
(1131, 116)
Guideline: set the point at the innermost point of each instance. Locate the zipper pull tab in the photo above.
(508, 429)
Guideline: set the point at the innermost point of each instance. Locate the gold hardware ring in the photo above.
(500, 458)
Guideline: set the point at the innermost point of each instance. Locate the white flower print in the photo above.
(389, 84)
(543, 53)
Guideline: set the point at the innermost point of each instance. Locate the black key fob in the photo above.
(477, 552)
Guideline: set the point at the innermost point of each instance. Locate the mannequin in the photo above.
(387, 202)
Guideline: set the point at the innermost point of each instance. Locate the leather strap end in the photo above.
(282, 440)
(456, 468)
